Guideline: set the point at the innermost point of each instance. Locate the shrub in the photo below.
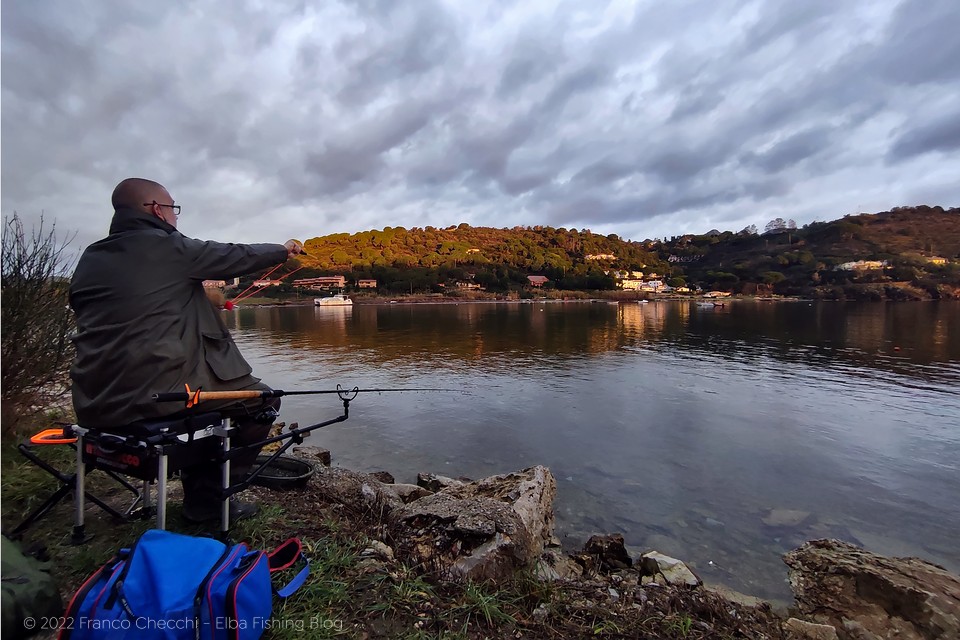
(36, 319)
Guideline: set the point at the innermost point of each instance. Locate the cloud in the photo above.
(791, 150)
(941, 135)
(642, 119)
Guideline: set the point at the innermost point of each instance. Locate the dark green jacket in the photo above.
(144, 323)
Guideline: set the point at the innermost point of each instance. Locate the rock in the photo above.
(480, 530)
(866, 596)
(316, 453)
(610, 551)
(477, 538)
(785, 518)
(356, 490)
(371, 564)
(589, 564)
(530, 494)
(555, 565)
(436, 483)
(653, 581)
(734, 596)
(378, 549)
(802, 630)
(408, 492)
(383, 476)
(672, 570)
(539, 614)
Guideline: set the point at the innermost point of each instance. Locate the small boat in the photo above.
(643, 302)
(336, 300)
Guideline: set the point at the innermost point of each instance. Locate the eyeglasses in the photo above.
(175, 207)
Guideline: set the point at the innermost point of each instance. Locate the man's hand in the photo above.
(293, 248)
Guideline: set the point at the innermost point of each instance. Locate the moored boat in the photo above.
(336, 300)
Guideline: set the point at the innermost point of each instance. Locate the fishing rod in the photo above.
(241, 295)
(193, 397)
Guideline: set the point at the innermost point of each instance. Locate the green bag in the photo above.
(28, 592)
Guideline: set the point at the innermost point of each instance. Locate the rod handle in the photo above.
(208, 395)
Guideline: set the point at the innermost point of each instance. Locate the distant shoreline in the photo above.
(408, 300)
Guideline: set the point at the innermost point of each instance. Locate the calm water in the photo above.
(678, 425)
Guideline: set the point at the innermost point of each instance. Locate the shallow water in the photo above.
(678, 425)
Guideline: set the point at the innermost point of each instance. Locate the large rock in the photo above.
(673, 571)
(434, 482)
(408, 492)
(358, 491)
(485, 529)
(867, 596)
(802, 630)
(319, 454)
(530, 494)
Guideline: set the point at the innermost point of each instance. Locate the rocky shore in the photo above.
(460, 558)
(492, 529)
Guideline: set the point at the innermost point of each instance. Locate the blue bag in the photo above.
(170, 586)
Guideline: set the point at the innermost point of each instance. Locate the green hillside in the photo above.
(807, 261)
(907, 241)
(497, 259)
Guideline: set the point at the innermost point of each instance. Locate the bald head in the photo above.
(133, 192)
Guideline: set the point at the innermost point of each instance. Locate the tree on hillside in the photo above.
(776, 225)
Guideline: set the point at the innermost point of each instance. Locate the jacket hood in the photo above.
(133, 220)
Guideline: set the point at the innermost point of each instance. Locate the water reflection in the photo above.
(681, 426)
(894, 338)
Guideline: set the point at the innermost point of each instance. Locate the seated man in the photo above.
(145, 326)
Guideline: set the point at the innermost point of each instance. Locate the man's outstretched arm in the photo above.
(208, 260)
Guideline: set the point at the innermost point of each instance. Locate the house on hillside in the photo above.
(861, 265)
(322, 282)
(937, 260)
(600, 256)
(366, 283)
(652, 285)
(537, 281)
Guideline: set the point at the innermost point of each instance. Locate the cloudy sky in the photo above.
(270, 119)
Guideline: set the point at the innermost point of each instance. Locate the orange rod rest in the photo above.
(52, 436)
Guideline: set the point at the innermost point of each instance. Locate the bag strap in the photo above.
(284, 557)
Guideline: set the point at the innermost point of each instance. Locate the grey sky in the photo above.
(269, 120)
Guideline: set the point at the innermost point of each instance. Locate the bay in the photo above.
(722, 435)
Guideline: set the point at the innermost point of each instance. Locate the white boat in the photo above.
(336, 300)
